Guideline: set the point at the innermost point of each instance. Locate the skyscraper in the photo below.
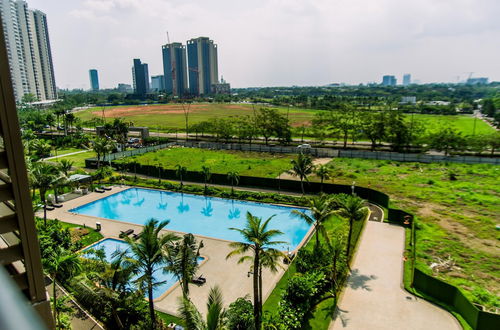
(406, 79)
(174, 68)
(28, 47)
(389, 81)
(140, 76)
(157, 83)
(202, 65)
(94, 80)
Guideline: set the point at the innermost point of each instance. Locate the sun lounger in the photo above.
(200, 280)
(49, 208)
(137, 236)
(56, 205)
(105, 188)
(126, 233)
(97, 190)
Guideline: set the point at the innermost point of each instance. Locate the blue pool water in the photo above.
(110, 245)
(200, 215)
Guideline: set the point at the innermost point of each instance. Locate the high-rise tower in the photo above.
(94, 80)
(174, 68)
(140, 76)
(28, 48)
(202, 65)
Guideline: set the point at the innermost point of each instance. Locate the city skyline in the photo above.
(292, 43)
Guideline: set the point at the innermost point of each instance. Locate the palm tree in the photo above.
(180, 172)
(148, 257)
(351, 208)
(302, 167)
(182, 260)
(60, 262)
(323, 172)
(45, 175)
(215, 316)
(100, 146)
(234, 178)
(65, 166)
(261, 243)
(321, 209)
(207, 175)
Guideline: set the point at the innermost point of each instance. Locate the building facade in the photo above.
(389, 80)
(28, 47)
(140, 77)
(407, 79)
(202, 65)
(157, 83)
(94, 80)
(174, 69)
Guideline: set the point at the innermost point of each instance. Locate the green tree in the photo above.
(271, 123)
(45, 175)
(488, 108)
(447, 139)
(398, 131)
(148, 256)
(261, 242)
(216, 313)
(182, 258)
(60, 264)
(350, 207)
(100, 146)
(239, 315)
(207, 175)
(65, 166)
(374, 127)
(321, 209)
(234, 179)
(301, 168)
(323, 173)
(180, 172)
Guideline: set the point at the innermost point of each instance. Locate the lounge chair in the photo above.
(97, 190)
(49, 208)
(199, 280)
(126, 233)
(137, 236)
(105, 188)
(56, 205)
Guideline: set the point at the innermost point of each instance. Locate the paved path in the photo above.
(374, 297)
(68, 154)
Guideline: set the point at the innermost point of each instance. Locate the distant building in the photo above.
(221, 88)
(157, 83)
(140, 77)
(389, 81)
(94, 80)
(407, 79)
(125, 88)
(477, 81)
(202, 65)
(28, 49)
(174, 68)
(409, 100)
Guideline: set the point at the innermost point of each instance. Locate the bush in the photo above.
(240, 315)
(312, 260)
(302, 288)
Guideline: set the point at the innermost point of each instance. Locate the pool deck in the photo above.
(233, 278)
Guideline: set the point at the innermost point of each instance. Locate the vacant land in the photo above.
(78, 159)
(171, 116)
(244, 163)
(457, 207)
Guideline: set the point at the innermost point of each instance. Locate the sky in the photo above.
(279, 42)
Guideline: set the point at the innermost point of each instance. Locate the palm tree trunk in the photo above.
(349, 238)
(260, 290)
(317, 238)
(302, 185)
(256, 309)
(151, 305)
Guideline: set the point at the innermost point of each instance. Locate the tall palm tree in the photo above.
(148, 257)
(350, 207)
(100, 146)
(215, 316)
(260, 240)
(207, 175)
(45, 175)
(321, 209)
(182, 258)
(323, 172)
(180, 172)
(302, 167)
(234, 178)
(60, 262)
(65, 166)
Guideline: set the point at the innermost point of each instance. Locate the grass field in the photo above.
(244, 163)
(456, 218)
(171, 116)
(78, 159)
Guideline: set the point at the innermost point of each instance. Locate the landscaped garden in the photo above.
(457, 212)
(218, 161)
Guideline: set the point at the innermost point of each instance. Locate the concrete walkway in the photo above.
(374, 297)
(68, 154)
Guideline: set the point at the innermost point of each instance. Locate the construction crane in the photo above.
(172, 62)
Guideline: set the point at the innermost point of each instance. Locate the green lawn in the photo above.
(65, 151)
(167, 318)
(219, 161)
(463, 123)
(456, 218)
(78, 159)
(92, 237)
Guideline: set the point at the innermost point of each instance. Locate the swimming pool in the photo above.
(110, 245)
(200, 215)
